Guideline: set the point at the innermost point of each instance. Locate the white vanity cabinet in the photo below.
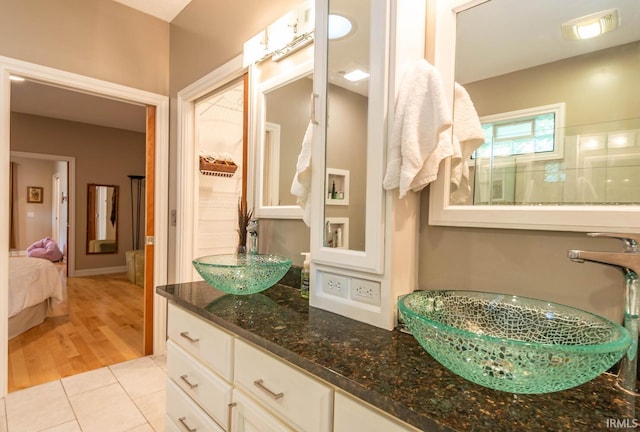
(265, 393)
(203, 367)
(199, 372)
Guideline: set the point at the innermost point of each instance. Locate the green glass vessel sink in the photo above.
(242, 273)
(514, 344)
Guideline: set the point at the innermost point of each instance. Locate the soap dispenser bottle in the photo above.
(304, 277)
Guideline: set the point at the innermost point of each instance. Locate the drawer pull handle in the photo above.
(259, 383)
(185, 378)
(230, 415)
(185, 334)
(183, 421)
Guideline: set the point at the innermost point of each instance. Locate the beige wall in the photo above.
(33, 220)
(98, 38)
(595, 88)
(528, 263)
(287, 106)
(103, 155)
(347, 150)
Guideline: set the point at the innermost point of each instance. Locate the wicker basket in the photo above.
(210, 165)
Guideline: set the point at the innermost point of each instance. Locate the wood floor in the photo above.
(99, 325)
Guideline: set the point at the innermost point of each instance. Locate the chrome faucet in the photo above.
(252, 230)
(629, 262)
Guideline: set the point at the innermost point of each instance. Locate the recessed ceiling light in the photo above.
(356, 75)
(16, 78)
(339, 26)
(591, 26)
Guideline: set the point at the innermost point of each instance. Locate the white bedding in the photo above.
(32, 281)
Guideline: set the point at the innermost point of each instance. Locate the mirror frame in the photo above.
(116, 191)
(263, 211)
(554, 218)
(371, 259)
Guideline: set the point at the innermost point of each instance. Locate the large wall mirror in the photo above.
(348, 83)
(284, 115)
(353, 103)
(102, 219)
(560, 112)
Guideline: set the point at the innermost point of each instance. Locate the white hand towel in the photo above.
(467, 137)
(301, 185)
(419, 139)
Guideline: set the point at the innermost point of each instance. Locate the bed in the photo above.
(35, 287)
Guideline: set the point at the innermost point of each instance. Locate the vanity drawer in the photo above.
(209, 391)
(202, 340)
(299, 399)
(185, 414)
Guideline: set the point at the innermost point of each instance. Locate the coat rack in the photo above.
(137, 185)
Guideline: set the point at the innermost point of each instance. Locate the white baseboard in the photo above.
(17, 253)
(99, 271)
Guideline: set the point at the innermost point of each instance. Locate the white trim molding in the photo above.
(187, 172)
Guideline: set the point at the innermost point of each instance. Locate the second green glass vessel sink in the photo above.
(510, 343)
(242, 273)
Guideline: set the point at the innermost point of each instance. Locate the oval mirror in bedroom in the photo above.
(102, 219)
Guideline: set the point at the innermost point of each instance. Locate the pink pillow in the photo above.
(46, 248)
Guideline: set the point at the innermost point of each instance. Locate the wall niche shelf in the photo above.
(339, 229)
(337, 187)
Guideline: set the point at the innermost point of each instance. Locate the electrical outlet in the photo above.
(335, 285)
(365, 291)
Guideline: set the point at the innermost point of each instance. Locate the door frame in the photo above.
(9, 66)
(187, 156)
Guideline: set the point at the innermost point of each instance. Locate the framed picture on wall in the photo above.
(34, 194)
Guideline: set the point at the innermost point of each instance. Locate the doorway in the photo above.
(157, 267)
(60, 204)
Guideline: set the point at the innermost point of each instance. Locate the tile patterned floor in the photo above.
(126, 397)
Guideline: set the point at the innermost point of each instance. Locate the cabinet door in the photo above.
(247, 416)
(352, 415)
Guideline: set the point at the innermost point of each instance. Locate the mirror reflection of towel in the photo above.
(301, 185)
(467, 137)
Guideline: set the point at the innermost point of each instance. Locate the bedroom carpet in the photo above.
(99, 325)
(125, 397)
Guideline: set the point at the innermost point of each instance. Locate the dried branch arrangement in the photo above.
(244, 216)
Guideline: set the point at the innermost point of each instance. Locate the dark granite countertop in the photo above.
(391, 371)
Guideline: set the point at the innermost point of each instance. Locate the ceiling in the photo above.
(166, 10)
(31, 97)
